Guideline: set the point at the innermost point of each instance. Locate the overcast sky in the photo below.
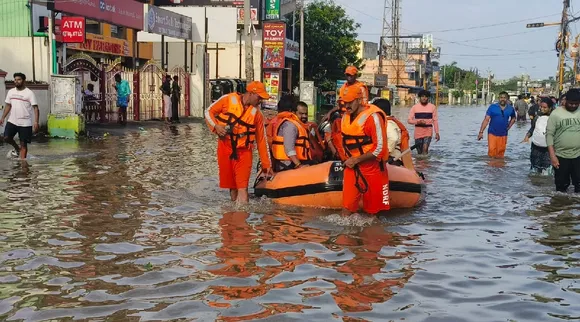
(508, 48)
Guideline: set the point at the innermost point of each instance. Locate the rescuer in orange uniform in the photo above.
(364, 140)
(316, 141)
(239, 123)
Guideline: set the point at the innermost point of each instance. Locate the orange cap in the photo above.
(351, 93)
(351, 70)
(258, 88)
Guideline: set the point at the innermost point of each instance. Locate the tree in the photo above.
(330, 43)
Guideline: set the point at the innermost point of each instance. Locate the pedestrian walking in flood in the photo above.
(500, 117)
(424, 116)
(20, 104)
(521, 108)
(563, 139)
(539, 155)
(175, 97)
(123, 93)
(166, 91)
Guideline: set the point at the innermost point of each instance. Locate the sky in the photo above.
(507, 49)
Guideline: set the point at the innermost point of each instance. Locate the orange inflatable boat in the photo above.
(321, 186)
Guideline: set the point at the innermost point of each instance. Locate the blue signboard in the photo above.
(339, 84)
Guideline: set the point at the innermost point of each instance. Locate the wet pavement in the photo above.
(132, 227)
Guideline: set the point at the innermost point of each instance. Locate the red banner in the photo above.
(73, 29)
(126, 13)
(274, 40)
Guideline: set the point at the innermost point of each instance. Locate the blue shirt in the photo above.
(500, 120)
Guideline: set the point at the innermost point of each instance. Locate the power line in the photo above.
(490, 25)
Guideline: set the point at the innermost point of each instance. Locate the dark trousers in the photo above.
(569, 170)
(174, 108)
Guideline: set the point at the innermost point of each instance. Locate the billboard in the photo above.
(126, 13)
(272, 9)
(273, 42)
(254, 16)
(167, 23)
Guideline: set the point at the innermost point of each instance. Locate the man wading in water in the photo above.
(424, 117)
(500, 117)
(20, 103)
(563, 139)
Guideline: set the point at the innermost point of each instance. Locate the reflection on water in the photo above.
(134, 228)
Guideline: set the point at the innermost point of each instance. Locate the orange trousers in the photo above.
(234, 174)
(376, 198)
(496, 145)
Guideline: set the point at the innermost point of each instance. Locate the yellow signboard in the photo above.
(105, 45)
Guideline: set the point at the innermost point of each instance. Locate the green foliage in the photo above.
(330, 43)
(460, 79)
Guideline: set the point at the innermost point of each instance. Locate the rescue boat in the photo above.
(321, 186)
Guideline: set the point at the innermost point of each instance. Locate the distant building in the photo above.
(367, 50)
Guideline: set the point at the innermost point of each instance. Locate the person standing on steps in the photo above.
(563, 139)
(500, 117)
(424, 116)
(123, 94)
(20, 104)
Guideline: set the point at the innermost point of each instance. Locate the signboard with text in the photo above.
(272, 83)
(168, 23)
(216, 3)
(105, 45)
(126, 13)
(292, 50)
(254, 16)
(273, 42)
(272, 9)
(73, 30)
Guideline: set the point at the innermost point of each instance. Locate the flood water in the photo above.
(134, 228)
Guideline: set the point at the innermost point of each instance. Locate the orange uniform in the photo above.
(368, 180)
(317, 144)
(234, 152)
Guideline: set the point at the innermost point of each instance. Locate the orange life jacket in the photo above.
(354, 139)
(272, 124)
(302, 144)
(404, 133)
(239, 122)
(336, 137)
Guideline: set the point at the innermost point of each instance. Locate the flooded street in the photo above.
(134, 228)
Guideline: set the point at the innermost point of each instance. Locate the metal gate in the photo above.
(149, 102)
(90, 72)
(113, 68)
(183, 81)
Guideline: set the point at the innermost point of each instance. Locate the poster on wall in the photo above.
(272, 83)
(273, 42)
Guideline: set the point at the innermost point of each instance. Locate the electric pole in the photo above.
(563, 45)
(248, 40)
(301, 41)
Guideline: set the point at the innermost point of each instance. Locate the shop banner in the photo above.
(272, 83)
(73, 30)
(273, 42)
(272, 9)
(126, 13)
(200, 3)
(254, 16)
(105, 45)
(168, 23)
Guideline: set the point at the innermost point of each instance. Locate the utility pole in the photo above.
(301, 43)
(563, 46)
(248, 39)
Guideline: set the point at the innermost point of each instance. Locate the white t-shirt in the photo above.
(22, 102)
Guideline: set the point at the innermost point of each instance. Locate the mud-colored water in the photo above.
(133, 228)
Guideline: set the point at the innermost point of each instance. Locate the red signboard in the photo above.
(274, 40)
(126, 13)
(73, 29)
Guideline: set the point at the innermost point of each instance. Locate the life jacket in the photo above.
(317, 143)
(239, 123)
(354, 139)
(336, 137)
(404, 133)
(539, 135)
(302, 145)
(270, 127)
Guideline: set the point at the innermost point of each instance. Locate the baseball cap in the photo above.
(258, 88)
(351, 94)
(351, 70)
